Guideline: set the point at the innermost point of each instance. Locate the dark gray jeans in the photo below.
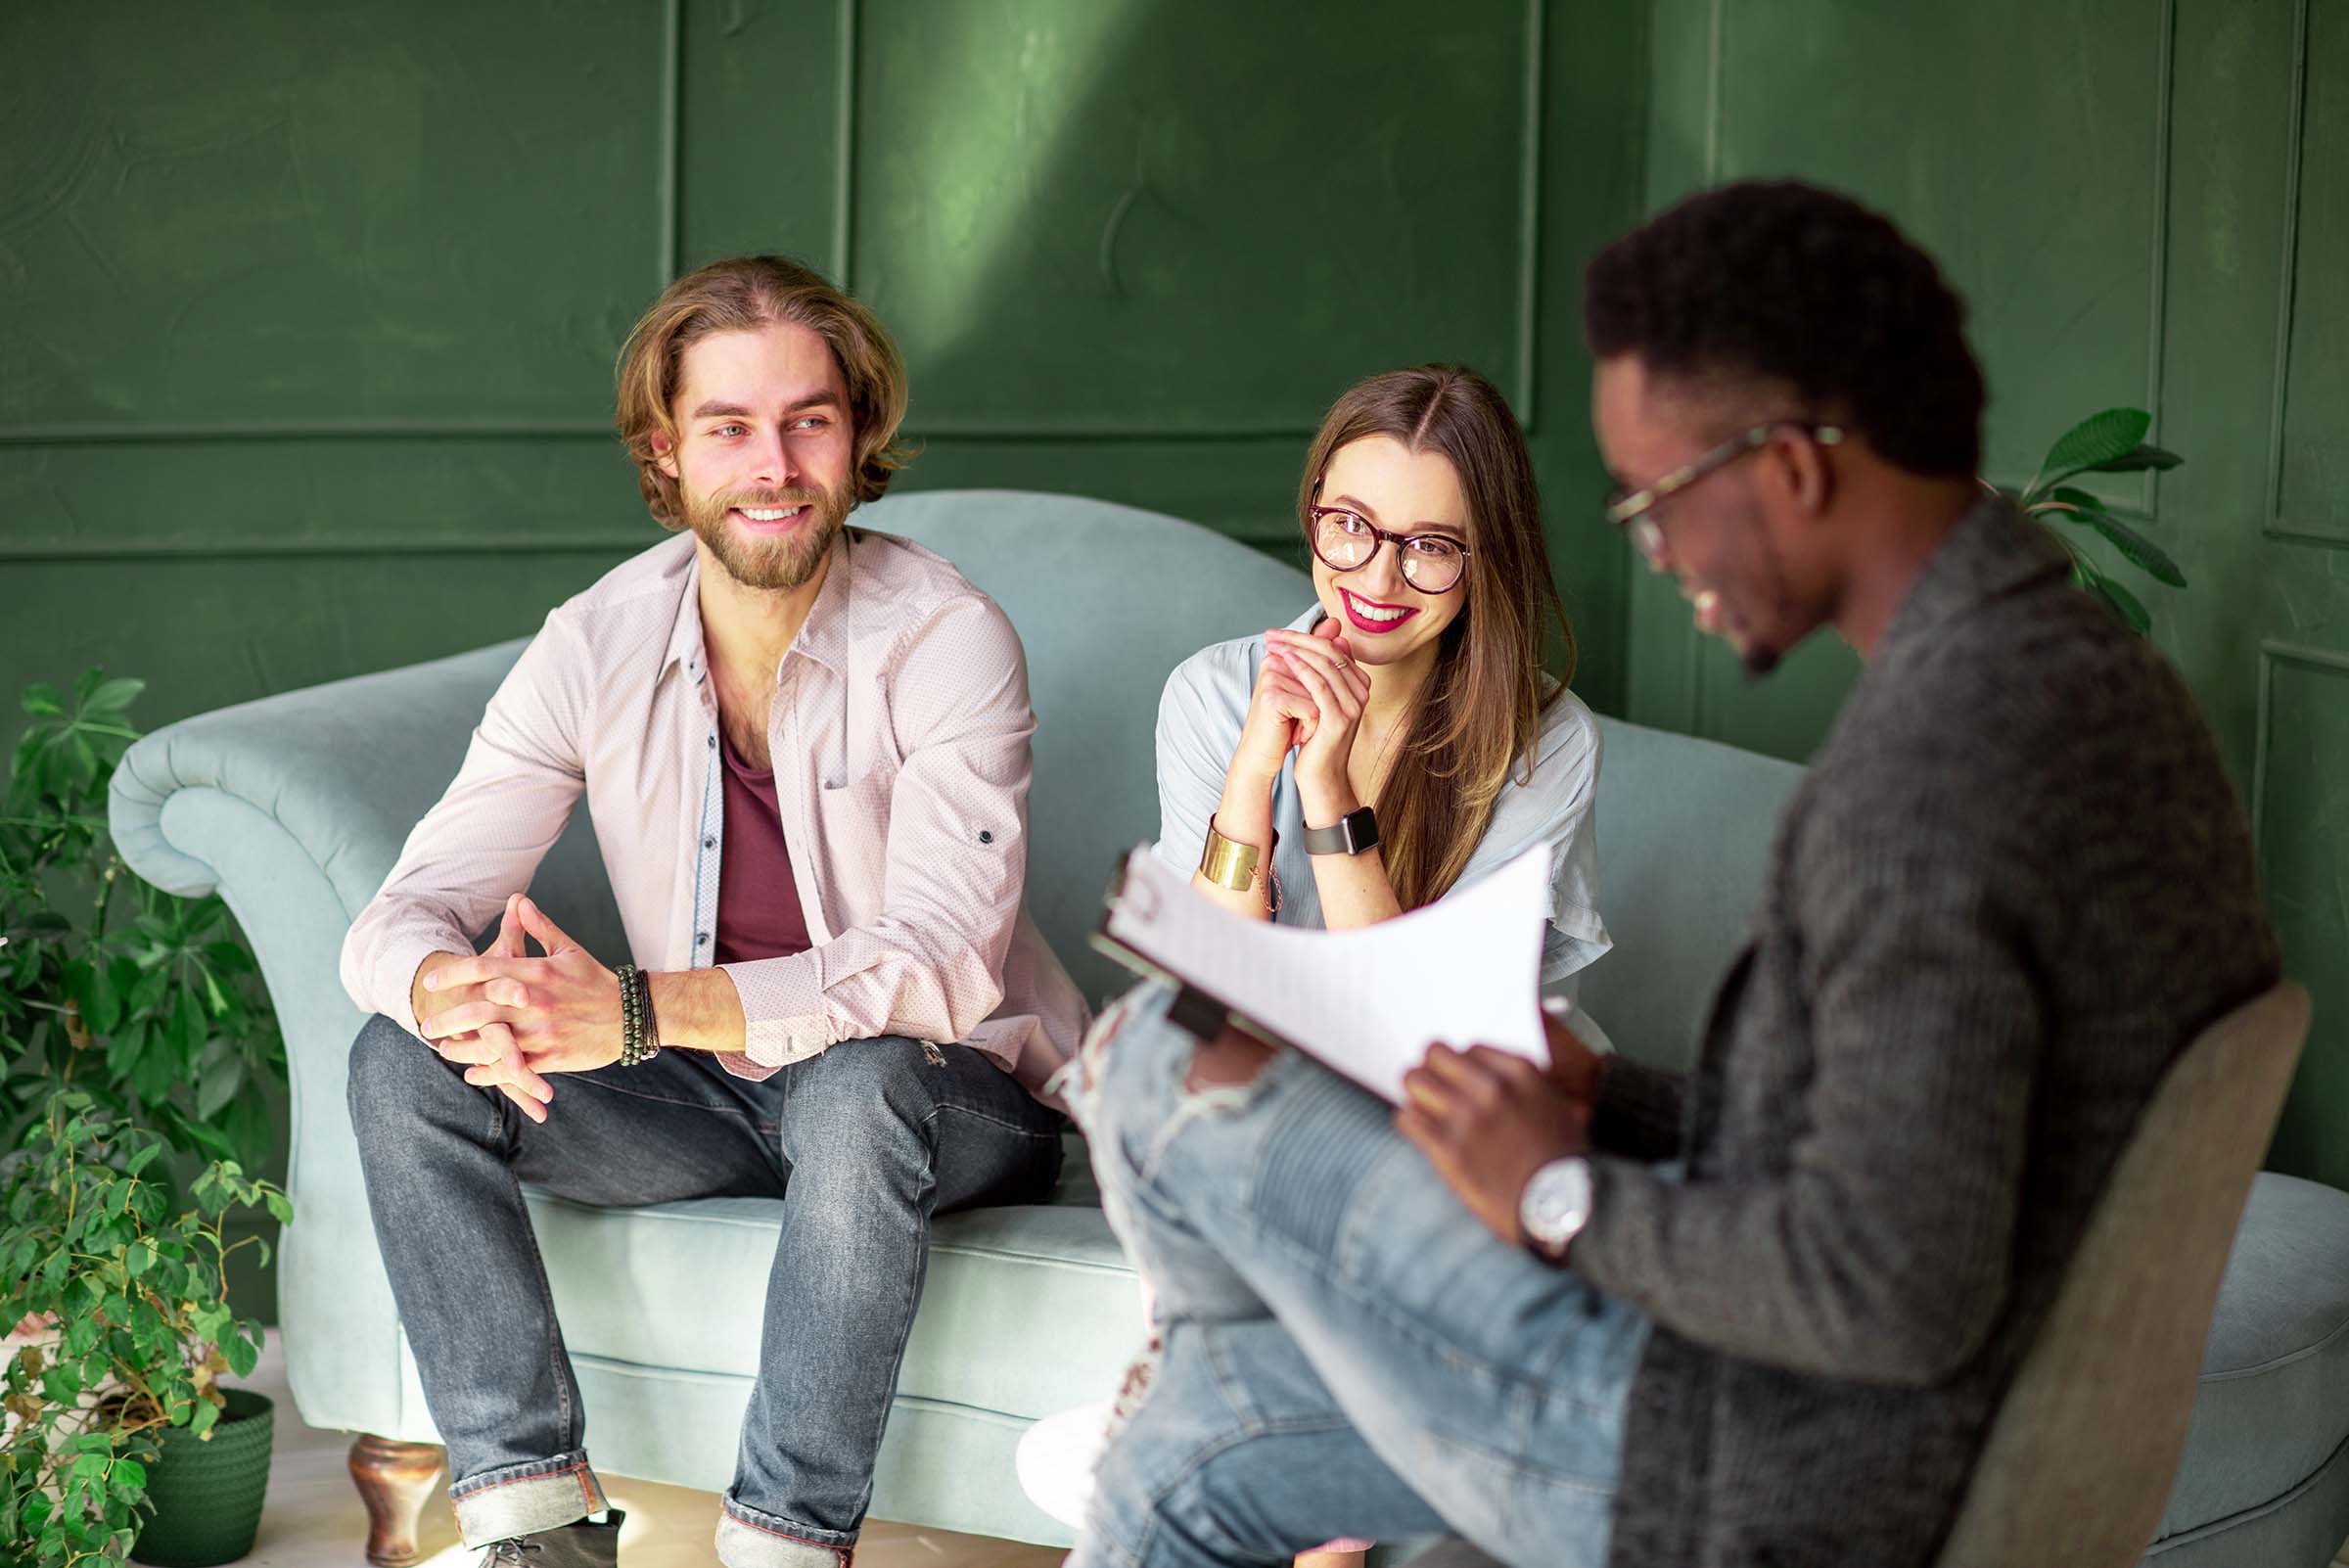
(864, 1143)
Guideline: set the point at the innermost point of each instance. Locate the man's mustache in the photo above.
(798, 495)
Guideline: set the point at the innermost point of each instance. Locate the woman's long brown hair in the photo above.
(1481, 707)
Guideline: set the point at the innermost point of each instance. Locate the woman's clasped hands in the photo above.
(1311, 683)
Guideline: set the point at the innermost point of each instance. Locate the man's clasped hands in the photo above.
(512, 1018)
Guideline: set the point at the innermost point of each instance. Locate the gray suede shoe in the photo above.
(572, 1545)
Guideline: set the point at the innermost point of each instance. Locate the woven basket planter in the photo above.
(208, 1494)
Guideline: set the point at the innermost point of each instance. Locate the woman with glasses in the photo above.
(1402, 737)
(1395, 742)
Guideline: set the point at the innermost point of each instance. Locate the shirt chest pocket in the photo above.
(851, 827)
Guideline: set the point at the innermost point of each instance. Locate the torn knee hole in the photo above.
(1231, 1060)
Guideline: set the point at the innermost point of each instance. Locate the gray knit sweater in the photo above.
(2012, 886)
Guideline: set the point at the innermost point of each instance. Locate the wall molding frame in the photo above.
(2274, 525)
(2144, 507)
(1522, 383)
(499, 542)
(2272, 655)
(669, 198)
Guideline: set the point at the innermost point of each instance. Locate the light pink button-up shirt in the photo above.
(900, 730)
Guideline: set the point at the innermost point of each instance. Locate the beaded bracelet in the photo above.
(639, 1035)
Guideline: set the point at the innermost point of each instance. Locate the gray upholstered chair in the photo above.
(2080, 1461)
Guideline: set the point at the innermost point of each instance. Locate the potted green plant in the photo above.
(114, 1412)
(2109, 442)
(151, 1003)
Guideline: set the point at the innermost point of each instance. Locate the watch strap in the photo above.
(1351, 834)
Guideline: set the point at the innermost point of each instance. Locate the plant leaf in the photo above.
(2141, 552)
(219, 1087)
(2087, 511)
(2125, 605)
(114, 696)
(2144, 457)
(42, 700)
(2097, 438)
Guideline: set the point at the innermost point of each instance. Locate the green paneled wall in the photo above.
(316, 307)
(2144, 202)
(308, 313)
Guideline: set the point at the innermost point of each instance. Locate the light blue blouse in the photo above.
(1199, 720)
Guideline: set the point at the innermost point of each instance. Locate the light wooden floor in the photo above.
(314, 1518)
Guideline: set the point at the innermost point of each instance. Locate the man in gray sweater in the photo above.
(1762, 1312)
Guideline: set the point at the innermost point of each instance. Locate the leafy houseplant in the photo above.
(153, 1005)
(126, 1298)
(2110, 442)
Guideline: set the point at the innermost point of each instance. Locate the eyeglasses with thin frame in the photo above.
(1346, 540)
(1630, 510)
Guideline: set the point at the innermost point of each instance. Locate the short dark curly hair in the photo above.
(1784, 281)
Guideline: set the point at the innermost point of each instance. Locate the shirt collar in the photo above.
(823, 637)
(685, 633)
(1992, 550)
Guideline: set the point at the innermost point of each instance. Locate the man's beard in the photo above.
(781, 563)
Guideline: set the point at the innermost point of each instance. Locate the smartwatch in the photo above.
(1351, 834)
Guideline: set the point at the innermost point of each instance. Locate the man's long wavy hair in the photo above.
(1479, 712)
(742, 295)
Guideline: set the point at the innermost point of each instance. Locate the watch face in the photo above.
(1557, 1202)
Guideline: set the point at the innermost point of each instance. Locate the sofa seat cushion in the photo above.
(1024, 1311)
(2274, 1402)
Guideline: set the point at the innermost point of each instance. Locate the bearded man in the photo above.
(804, 748)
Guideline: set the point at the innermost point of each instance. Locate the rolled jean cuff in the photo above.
(521, 1499)
(749, 1539)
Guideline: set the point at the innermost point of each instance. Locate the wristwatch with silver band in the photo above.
(1556, 1206)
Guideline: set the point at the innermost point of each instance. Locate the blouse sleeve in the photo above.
(1198, 729)
(1565, 782)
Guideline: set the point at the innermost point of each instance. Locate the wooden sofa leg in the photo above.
(393, 1480)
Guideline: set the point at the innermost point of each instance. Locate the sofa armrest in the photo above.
(344, 769)
(293, 809)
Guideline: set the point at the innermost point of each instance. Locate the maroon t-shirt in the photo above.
(757, 900)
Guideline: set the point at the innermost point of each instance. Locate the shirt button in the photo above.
(701, 938)
(986, 837)
(714, 742)
(709, 843)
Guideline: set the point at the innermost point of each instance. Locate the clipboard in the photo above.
(1365, 1003)
(1195, 1011)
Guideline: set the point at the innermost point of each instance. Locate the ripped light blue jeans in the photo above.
(1346, 1349)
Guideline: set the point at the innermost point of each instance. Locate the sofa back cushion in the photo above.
(1107, 600)
(1684, 831)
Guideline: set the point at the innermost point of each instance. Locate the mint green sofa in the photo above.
(295, 806)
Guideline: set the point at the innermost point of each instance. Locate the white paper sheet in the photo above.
(1368, 1001)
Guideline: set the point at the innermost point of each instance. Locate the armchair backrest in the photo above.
(2085, 1447)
